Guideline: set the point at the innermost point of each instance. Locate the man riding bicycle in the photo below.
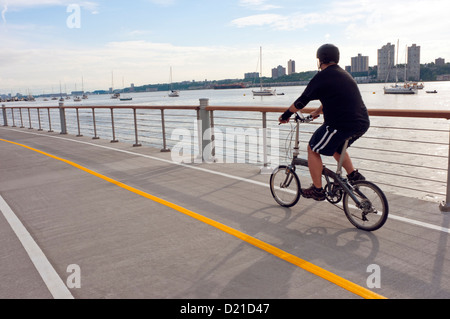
(345, 116)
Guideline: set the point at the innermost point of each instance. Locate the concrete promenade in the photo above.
(139, 239)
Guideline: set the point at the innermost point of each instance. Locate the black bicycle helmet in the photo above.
(328, 53)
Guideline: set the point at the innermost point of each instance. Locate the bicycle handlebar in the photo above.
(299, 117)
(303, 119)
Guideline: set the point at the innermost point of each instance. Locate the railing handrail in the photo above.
(445, 114)
(408, 113)
(128, 107)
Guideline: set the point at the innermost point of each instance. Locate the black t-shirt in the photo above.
(343, 107)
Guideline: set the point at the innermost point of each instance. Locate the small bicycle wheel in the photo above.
(374, 209)
(285, 186)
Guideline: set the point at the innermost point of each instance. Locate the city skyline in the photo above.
(48, 42)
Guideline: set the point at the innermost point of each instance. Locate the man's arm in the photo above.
(292, 109)
(317, 112)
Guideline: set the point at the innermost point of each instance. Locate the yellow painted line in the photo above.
(316, 270)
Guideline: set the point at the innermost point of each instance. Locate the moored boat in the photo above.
(399, 89)
(263, 91)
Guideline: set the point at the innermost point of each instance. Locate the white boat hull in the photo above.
(400, 90)
(264, 93)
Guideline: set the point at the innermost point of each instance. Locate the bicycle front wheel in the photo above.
(373, 210)
(285, 186)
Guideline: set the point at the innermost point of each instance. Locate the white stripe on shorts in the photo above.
(324, 141)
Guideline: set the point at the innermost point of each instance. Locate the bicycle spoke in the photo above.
(372, 211)
(287, 193)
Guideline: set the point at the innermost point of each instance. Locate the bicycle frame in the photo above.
(337, 176)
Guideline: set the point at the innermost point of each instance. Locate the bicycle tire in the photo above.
(375, 210)
(285, 186)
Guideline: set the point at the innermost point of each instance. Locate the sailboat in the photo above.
(400, 89)
(85, 97)
(76, 98)
(262, 91)
(115, 95)
(124, 98)
(173, 93)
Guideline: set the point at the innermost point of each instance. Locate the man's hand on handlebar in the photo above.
(286, 116)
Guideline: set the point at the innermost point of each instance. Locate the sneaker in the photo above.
(355, 176)
(317, 194)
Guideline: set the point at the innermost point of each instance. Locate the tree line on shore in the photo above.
(428, 72)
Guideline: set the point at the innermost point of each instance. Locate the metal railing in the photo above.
(399, 154)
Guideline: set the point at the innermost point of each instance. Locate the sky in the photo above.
(97, 44)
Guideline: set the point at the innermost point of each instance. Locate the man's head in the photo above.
(328, 54)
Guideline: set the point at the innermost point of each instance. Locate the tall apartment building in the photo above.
(389, 71)
(413, 69)
(386, 62)
(360, 63)
(278, 72)
(291, 67)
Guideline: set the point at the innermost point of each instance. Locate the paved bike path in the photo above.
(130, 247)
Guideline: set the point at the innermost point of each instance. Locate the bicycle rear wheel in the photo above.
(285, 186)
(374, 209)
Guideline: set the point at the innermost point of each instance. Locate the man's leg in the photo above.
(347, 164)
(352, 174)
(315, 167)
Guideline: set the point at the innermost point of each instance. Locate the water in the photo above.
(372, 94)
(386, 154)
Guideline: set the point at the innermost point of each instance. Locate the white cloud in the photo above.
(163, 3)
(22, 4)
(258, 20)
(280, 22)
(4, 10)
(260, 5)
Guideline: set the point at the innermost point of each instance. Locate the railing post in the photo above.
(204, 126)
(95, 125)
(164, 149)
(5, 119)
(39, 118)
(21, 118)
(49, 121)
(78, 123)
(12, 114)
(445, 206)
(29, 119)
(62, 118)
(112, 126)
(136, 144)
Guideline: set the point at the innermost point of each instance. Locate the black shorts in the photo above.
(327, 140)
